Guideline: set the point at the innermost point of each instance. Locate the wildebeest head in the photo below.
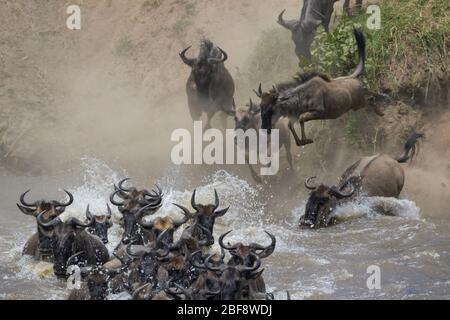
(232, 278)
(205, 65)
(161, 224)
(321, 203)
(150, 257)
(267, 108)
(65, 237)
(131, 193)
(47, 210)
(97, 278)
(302, 34)
(205, 215)
(244, 254)
(247, 118)
(133, 209)
(54, 208)
(314, 13)
(101, 224)
(193, 238)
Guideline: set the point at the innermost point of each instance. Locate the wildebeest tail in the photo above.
(361, 43)
(410, 147)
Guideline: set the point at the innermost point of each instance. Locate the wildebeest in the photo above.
(101, 224)
(375, 176)
(70, 238)
(232, 279)
(314, 13)
(210, 87)
(94, 285)
(135, 205)
(244, 254)
(161, 224)
(40, 244)
(205, 215)
(319, 98)
(249, 118)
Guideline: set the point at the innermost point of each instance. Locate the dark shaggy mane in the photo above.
(299, 79)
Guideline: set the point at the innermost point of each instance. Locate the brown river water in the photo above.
(412, 252)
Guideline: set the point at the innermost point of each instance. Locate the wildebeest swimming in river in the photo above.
(210, 87)
(318, 98)
(40, 245)
(375, 176)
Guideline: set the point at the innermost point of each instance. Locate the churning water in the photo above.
(413, 253)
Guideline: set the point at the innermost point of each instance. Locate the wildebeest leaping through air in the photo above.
(315, 98)
(210, 87)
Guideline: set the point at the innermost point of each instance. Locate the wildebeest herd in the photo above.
(149, 262)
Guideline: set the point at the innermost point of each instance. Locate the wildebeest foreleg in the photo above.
(305, 117)
(303, 141)
(294, 133)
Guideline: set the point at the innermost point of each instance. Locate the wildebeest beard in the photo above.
(203, 72)
(47, 242)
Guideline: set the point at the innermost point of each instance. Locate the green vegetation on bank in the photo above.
(410, 49)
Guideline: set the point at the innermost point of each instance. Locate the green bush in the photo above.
(412, 43)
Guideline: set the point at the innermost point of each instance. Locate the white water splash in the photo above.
(370, 206)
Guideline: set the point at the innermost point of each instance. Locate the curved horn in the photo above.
(266, 251)
(148, 210)
(216, 200)
(283, 23)
(22, 200)
(122, 194)
(109, 214)
(59, 204)
(193, 204)
(340, 195)
(222, 245)
(186, 212)
(187, 216)
(120, 185)
(186, 60)
(259, 92)
(89, 215)
(27, 211)
(111, 199)
(308, 184)
(48, 224)
(221, 60)
(221, 212)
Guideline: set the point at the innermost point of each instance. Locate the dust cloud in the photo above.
(115, 89)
